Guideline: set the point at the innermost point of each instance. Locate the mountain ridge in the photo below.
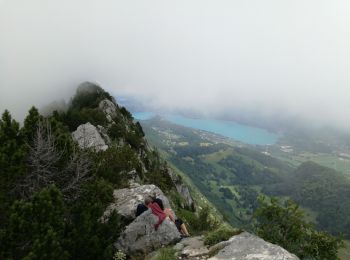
(61, 172)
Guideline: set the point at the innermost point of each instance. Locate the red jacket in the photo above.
(156, 210)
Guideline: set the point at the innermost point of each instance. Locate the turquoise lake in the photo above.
(240, 132)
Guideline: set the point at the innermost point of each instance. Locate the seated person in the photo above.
(142, 207)
(155, 208)
(178, 222)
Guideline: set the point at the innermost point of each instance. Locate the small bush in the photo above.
(119, 255)
(198, 222)
(165, 253)
(222, 233)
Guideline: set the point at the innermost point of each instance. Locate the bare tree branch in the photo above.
(43, 160)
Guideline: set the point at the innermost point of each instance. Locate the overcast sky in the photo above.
(278, 57)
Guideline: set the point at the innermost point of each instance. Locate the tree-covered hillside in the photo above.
(233, 176)
(53, 192)
(321, 189)
(59, 174)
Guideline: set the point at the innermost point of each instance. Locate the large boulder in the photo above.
(88, 136)
(248, 246)
(141, 238)
(126, 200)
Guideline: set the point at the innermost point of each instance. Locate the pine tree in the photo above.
(30, 124)
(12, 156)
(36, 227)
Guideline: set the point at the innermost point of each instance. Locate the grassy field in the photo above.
(328, 160)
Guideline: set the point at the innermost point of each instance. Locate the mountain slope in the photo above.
(55, 186)
(323, 190)
(232, 176)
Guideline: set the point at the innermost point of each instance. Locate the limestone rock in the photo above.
(248, 246)
(141, 238)
(109, 108)
(87, 136)
(126, 200)
(192, 248)
(104, 134)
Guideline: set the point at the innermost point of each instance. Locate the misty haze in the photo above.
(272, 58)
(234, 114)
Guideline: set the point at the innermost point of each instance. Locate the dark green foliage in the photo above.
(117, 130)
(13, 152)
(36, 228)
(198, 222)
(89, 95)
(30, 124)
(227, 193)
(284, 225)
(139, 130)
(89, 238)
(114, 164)
(84, 107)
(266, 160)
(126, 113)
(248, 172)
(321, 189)
(74, 117)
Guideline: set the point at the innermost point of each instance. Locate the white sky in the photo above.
(277, 57)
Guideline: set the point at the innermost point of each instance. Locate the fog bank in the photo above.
(275, 58)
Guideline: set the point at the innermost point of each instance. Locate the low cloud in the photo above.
(274, 58)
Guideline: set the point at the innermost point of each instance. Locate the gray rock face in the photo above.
(103, 132)
(192, 248)
(87, 136)
(182, 189)
(126, 200)
(248, 246)
(109, 108)
(141, 238)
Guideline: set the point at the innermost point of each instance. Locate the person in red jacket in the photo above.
(168, 212)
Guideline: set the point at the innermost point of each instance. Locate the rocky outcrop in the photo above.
(248, 246)
(182, 189)
(126, 200)
(244, 246)
(141, 238)
(109, 109)
(88, 136)
(103, 132)
(192, 248)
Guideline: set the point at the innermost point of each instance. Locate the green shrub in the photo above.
(197, 222)
(165, 253)
(222, 233)
(114, 163)
(284, 225)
